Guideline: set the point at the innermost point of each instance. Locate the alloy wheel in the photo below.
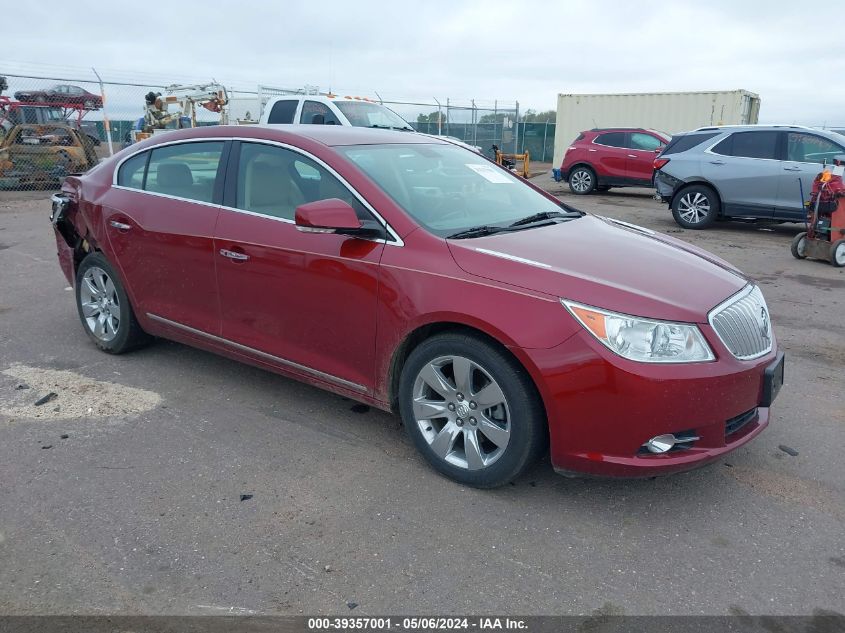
(694, 207)
(100, 304)
(581, 181)
(461, 412)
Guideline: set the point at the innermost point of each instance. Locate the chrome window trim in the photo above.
(251, 350)
(738, 296)
(395, 241)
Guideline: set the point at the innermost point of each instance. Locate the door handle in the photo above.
(592, 150)
(120, 226)
(792, 168)
(238, 257)
(717, 162)
(632, 156)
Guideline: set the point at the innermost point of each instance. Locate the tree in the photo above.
(431, 117)
(540, 117)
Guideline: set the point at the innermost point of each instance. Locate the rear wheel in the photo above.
(582, 181)
(471, 410)
(104, 307)
(837, 253)
(695, 207)
(799, 246)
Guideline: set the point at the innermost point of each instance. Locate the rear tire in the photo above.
(695, 207)
(837, 253)
(799, 246)
(471, 410)
(104, 307)
(582, 181)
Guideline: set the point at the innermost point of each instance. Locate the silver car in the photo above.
(760, 172)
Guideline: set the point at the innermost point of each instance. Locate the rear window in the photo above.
(685, 142)
(131, 173)
(283, 111)
(613, 139)
(749, 145)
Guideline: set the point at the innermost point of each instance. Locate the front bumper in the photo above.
(603, 408)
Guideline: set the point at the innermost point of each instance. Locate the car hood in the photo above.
(608, 264)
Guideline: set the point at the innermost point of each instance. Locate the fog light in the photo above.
(661, 443)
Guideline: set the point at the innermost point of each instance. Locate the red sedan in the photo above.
(418, 277)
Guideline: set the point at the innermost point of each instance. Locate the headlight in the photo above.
(643, 340)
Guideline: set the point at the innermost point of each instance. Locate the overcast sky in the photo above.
(790, 53)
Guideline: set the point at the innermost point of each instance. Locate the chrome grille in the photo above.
(743, 325)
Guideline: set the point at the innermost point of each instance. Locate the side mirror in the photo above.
(839, 159)
(335, 216)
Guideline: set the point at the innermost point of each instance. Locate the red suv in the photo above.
(613, 157)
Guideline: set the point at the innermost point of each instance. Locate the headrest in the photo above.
(174, 175)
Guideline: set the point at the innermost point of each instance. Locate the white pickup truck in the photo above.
(356, 111)
(324, 110)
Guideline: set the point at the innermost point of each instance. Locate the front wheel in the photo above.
(837, 253)
(471, 410)
(104, 307)
(695, 207)
(799, 246)
(582, 181)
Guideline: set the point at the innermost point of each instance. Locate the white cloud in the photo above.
(528, 51)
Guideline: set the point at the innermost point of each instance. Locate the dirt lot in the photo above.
(174, 481)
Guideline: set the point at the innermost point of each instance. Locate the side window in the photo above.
(809, 148)
(613, 139)
(317, 113)
(131, 173)
(185, 170)
(645, 142)
(273, 181)
(749, 145)
(283, 111)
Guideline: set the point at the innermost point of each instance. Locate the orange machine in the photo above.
(825, 235)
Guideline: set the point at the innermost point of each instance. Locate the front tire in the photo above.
(104, 307)
(471, 410)
(582, 181)
(799, 246)
(695, 207)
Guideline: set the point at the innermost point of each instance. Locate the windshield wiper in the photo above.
(480, 231)
(544, 215)
(392, 127)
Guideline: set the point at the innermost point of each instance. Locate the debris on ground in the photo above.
(351, 605)
(246, 497)
(22, 386)
(45, 399)
(81, 396)
(64, 436)
(788, 450)
(46, 446)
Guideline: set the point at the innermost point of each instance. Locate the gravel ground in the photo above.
(197, 485)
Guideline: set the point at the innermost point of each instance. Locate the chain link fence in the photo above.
(56, 123)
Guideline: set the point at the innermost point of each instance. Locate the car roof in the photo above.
(329, 135)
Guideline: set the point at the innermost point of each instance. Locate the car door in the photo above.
(804, 157)
(643, 149)
(746, 170)
(159, 218)
(609, 155)
(314, 112)
(305, 301)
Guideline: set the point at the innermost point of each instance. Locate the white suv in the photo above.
(323, 110)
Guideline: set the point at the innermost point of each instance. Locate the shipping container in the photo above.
(669, 112)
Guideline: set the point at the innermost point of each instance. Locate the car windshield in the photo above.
(449, 189)
(366, 114)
